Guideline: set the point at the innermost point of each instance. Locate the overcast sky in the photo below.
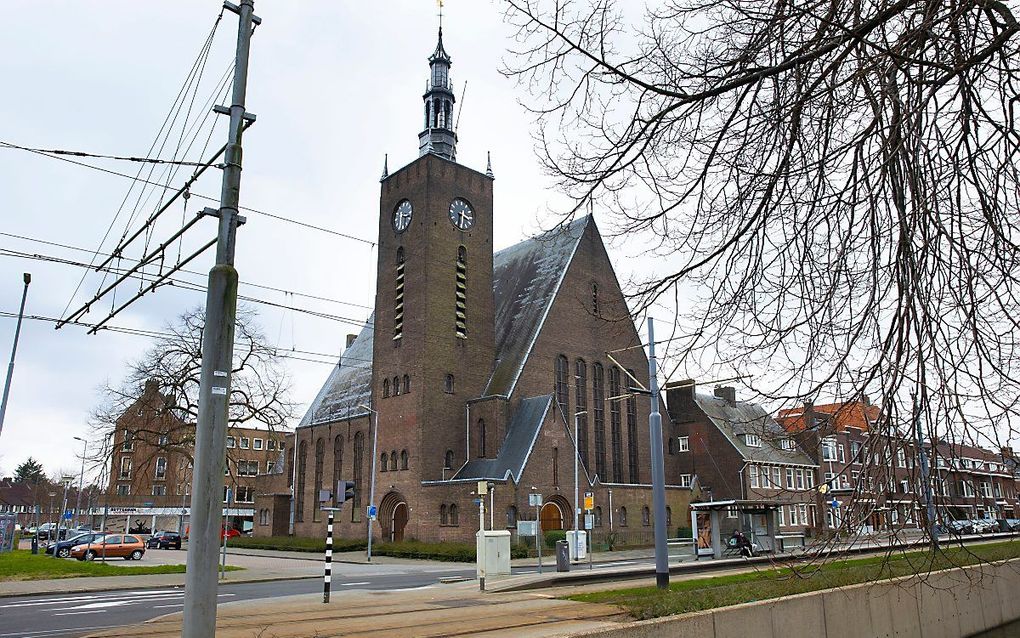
(335, 86)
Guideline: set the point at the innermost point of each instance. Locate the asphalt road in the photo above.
(68, 615)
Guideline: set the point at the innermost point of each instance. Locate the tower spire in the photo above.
(439, 137)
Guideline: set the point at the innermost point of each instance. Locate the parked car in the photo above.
(126, 546)
(1009, 525)
(984, 526)
(229, 533)
(164, 540)
(63, 548)
(48, 531)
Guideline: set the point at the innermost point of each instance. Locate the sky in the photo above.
(335, 87)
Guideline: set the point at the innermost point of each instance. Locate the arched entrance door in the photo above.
(393, 516)
(552, 516)
(398, 522)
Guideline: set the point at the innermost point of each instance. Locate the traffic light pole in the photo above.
(658, 475)
(217, 354)
(327, 575)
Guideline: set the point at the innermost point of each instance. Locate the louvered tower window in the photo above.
(615, 424)
(598, 396)
(398, 310)
(632, 437)
(461, 307)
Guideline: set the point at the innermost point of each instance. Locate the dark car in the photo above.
(164, 540)
(47, 531)
(63, 548)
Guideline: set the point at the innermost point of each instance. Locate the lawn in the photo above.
(719, 591)
(23, 565)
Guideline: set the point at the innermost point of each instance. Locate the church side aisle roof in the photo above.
(520, 439)
(525, 280)
(349, 384)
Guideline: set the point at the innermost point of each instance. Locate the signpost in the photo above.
(535, 500)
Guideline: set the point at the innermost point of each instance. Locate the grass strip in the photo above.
(23, 565)
(720, 591)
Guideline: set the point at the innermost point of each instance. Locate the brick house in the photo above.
(477, 365)
(738, 452)
(149, 469)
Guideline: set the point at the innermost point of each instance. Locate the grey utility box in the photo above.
(562, 556)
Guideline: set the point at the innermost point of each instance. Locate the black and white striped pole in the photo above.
(328, 575)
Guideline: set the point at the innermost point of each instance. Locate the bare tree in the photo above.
(158, 400)
(839, 179)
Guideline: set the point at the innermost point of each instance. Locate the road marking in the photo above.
(103, 596)
(76, 613)
(355, 584)
(166, 606)
(53, 632)
(410, 588)
(530, 571)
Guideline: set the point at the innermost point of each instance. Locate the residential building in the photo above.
(738, 452)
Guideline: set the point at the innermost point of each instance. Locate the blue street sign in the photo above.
(68, 515)
(834, 504)
(372, 511)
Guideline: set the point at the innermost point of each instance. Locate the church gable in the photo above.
(349, 384)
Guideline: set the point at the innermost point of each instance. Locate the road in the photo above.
(68, 615)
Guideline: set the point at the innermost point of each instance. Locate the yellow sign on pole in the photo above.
(589, 501)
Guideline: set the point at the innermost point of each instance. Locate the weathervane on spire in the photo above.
(440, 3)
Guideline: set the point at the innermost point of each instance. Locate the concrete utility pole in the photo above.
(928, 500)
(658, 476)
(217, 354)
(27, 277)
(371, 489)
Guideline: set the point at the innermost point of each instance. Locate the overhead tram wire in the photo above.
(278, 351)
(125, 158)
(202, 53)
(184, 284)
(248, 209)
(115, 270)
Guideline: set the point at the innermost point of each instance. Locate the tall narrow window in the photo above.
(398, 310)
(384, 462)
(483, 439)
(407, 384)
(461, 305)
(403, 459)
(359, 462)
(302, 465)
(393, 460)
(444, 517)
(581, 408)
(562, 389)
(320, 453)
(448, 384)
(448, 460)
(615, 424)
(396, 386)
(556, 466)
(595, 299)
(338, 465)
(385, 388)
(632, 438)
(598, 397)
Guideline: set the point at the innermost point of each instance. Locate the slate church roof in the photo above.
(525, 280)
(521, 435)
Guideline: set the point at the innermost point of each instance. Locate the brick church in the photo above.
(475, 365)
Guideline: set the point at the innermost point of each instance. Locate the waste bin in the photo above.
(35, 544)
(562, 556)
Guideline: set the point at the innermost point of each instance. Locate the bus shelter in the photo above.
(714, 521)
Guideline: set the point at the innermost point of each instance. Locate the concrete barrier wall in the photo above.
(948, 604)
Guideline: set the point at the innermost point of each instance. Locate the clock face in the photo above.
(402, 216)
(461, 214)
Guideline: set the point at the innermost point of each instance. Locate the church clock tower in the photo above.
(434, 320)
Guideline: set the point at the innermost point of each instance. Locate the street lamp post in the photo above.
(371, 489)
(577, 503)
(81, 478)
(66, 481)
(27, 277)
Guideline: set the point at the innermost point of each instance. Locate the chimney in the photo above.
(680, 398)
(350, 340)
(151, 386)
(728, 394)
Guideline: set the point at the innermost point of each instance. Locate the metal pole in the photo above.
(27, 277)
(538, 537)
(223, 525)
(482, 542)
(217, 353)
(658, 477)
(577, 504)
(81, 478)
(293, 484)
(63, 508)
(371, 489)
(928, 500)
(328, 573)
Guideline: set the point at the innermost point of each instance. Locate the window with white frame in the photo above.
(782, 516)
(998, 490)
(855, 451)
(829, 476)
(809, 479)
(787, 444)
(793, 515)
(901, 458)
(257, 444)
(766, 477)
(986, 489)
(752, 475)
(685, 480)
(163, 440)
(842, 453)
(685, 443)
(777, 479)
(789, 478)
(245, 443)
(731, 512)
(270, 466)
(800, 478)
(247, 468)
(829, 449)
(271, 444)
(125, 468)
(844, 481)
(123, 490)
(244, 494)
(802, 510)
(905, 486)
(231, 442)
(160, 468)
(159, 489)
(752, 440)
